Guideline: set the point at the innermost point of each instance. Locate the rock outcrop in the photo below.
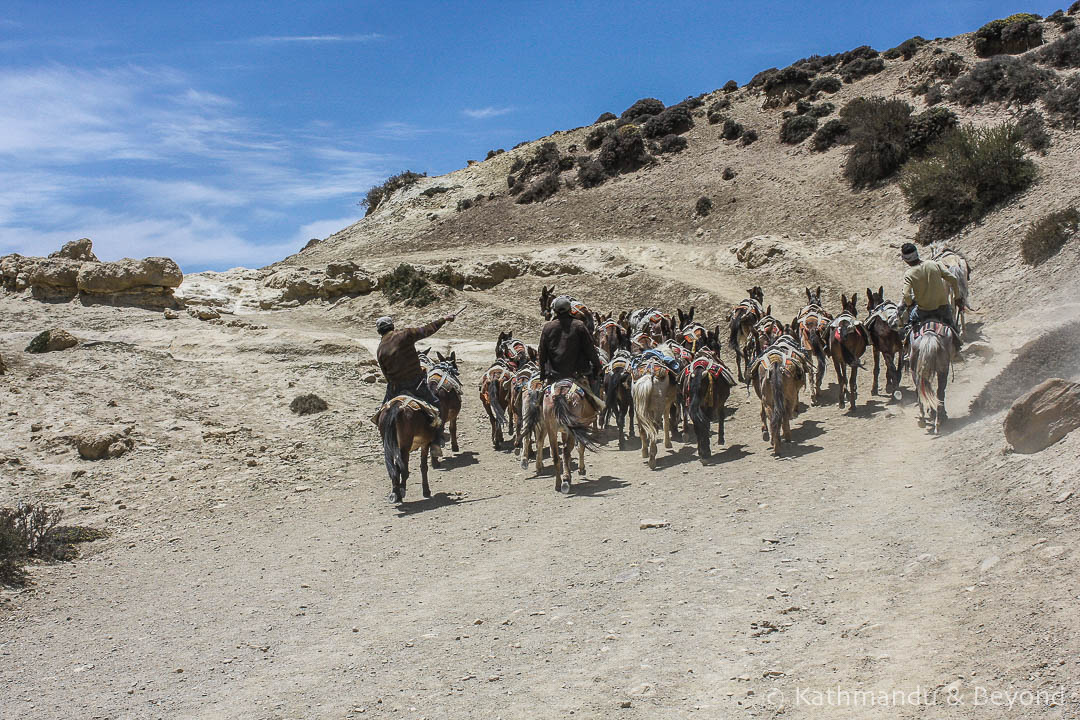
(52, 341)
(300, 284)
(75, 272)
(103, 444)
(1044, 415)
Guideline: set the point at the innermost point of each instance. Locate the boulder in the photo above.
(81, 249)
(758, 251)
(300, 284)
(54, 274)
(127, 274)
(204, 313)
(1044, 415)
(52, 341)
(103, 444)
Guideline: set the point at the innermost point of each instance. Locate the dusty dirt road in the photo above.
(255, 569)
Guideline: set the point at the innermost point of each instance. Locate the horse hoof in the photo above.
(427, 493)
(393, 498)
(435, 463)
(565, 488)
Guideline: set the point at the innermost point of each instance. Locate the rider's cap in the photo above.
(384, 324)
(909, 252)
(561, 304)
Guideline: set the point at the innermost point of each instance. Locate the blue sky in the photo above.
(224, 134)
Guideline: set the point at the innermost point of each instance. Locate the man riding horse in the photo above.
(400, 363)
(926, 292)
(567, 351)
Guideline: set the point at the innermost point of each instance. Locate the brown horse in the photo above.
(407, 424)
(881, 324)
(532, 396)
(617, 397)
(656, 324)
(610, 336)
(812, 327)
(743, 318)
(847, 343)
(564, 412)
(577, 309)
(495, 397)
(512, 350)
(445, 384)
(778, 375)
(707, 385)
(519, 384)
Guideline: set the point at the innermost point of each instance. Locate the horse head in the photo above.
(547, 296)
(757, 293)
(874, 299)
(849, 304)
(814, 298)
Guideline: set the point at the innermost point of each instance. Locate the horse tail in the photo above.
(641, 393)
(496, 403)
(698, 412)
(560, 407)
(927, 350)
(391, 450)
(611, 392)
(779, 404)
(534, 401)
(736, 323)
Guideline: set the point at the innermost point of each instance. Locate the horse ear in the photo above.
(881, 291)
(453, 356)
(440, 356)
(869, 295)
(768, 310)
(819, 291)
(691, 318)
(808, 298)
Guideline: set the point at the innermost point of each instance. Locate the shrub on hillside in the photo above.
(797, 128)
(672, 121)
(1063, 52)
(728, 174)
(761, 78)
(906, 49)
(791, 77)
(861, 68)
(877, 128)
(1063, 102)
(1048, 235)
(730, 86)
(834, 132)
(825, 83)
(1015, 34)
(23, 530)
(641, 108)
(623, 151)
(671, 143)
(1002, 78)
(605, 117)
(1074, 9)
(590, 173)
(309, 404)
(822, 110)
(925, 128)
(540, 190)
(493, 153)
(379, 193)
(749, 137)
(1033, 131)
(596, 136)
(935, 94)
(405, 284)
(715, 113)
(703, 206)
(731, 130)
(965, 174)
(863, 52)
(947, 66)
(693, 102)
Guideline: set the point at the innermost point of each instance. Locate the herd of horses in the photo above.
(662, 369)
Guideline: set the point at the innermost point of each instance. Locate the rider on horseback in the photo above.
(400, 362)
(567, 351)
(926, 292)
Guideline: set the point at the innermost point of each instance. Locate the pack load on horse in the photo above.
(515, 352)
(577, 310)
(847, 342)
(495, 397)
(933, 338)
(706, 385)
(743, 318)
(532, 398)
(617, 393)
(610, 335)
(409, 418)
(958, 267)
(655, 391)
(883, 325)
(656, 325)
(812, 326)
(444, 380)
(778, 374)
(568, 359)
(519, 383)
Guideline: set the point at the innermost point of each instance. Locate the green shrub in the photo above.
(464, 204)
(1015, 34)
(1063, 102)
(517, 164)
(877, 128)
(405, 284)
(935, 94)
(822, 109)
(24, 533)
(1063, 52)
(1074, 8)
(493, 153)
(797, 128)
(802, 107)
(861, 68)
(703, 206)
(730, 86)
(947, 67)
(731, 130)
(379, 193)
(761, 78)
(540, 190)
(715, 113)
(791, 77)
(672, 121)
(1002, 78)
(1048, 235)
(596, 136)
(605, 117)
(925, 128)
(825, 83)
(749, 137)
(623, 151)
(435, 190)
(693, 102)
(906, 49)
(641, 108)
(590, 173)
(834, 132)
(965, 174)
(308, 404)
(728, 174)
(1033, 131)
(671, 144)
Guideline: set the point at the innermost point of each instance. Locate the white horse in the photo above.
(957, 264)
(932, 352)
(653, 393)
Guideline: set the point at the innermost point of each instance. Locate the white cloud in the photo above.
(486, 112)
(308, 39)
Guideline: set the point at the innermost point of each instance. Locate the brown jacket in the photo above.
(397, 353)
(927, 285)
(567, 349)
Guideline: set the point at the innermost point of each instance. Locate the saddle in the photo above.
(714, 370)
(564, 387)
(644, 340)
(499, 372)
(443, 376)
(932, 326)
(749, 305)
(654, 367)
(794, 360)
(854, 322)
(886, 311)
(416, 405)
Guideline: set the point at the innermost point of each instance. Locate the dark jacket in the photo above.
(397, 353)
(567, 350)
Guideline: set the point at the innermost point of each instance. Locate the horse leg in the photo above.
(764, 424)
(891, 373)
(567, 447)
(853, 385)
(667, 427)
(403, 481)
(423, 471)
(841, 377)
(581, 460)
(874, 387)
(620, 421)
(539, 449)
(453, 434)
(941, 415)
